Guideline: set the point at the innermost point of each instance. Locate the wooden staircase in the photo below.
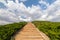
(30, 32)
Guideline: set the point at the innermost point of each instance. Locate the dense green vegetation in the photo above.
(7, 31)
(52, 29)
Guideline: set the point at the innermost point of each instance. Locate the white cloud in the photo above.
(53, 10)
(8, 16)
(3, 22)
(16, 12)
(13, 13)
(3, 1)
(52, 13)
(57, 12)
(43, 2)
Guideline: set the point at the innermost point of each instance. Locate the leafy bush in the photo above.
(7, 31)
(51, 29)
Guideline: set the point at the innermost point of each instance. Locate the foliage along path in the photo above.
(30, 32)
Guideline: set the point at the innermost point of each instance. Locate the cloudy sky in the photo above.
(29, 10)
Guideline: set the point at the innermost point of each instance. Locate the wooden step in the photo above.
(30, 32)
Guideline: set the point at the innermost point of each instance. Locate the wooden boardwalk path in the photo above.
(30, 32)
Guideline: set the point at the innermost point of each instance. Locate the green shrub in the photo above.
(52, 29)
(7, 31)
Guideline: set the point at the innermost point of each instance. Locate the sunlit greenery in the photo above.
(51, 29)
(7, 31)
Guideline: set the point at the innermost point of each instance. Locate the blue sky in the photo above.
(50, 1)
(36, 2)
(2, 5)
(29, 3)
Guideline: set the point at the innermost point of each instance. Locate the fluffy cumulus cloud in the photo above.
(16, 12)
(1, 0)
(54, 11)
(43, 2)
